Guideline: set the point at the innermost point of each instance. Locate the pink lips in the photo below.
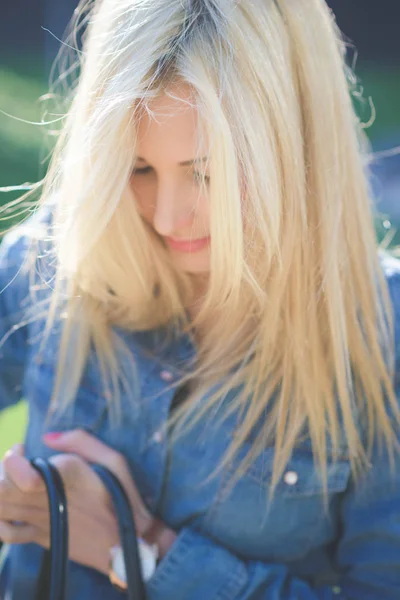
(188, 245)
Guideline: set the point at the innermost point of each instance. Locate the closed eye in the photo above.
(141, 171)
(201, 176)
(196, 175)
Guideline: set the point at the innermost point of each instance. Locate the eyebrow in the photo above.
(185, 163)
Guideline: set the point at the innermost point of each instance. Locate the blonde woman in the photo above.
(201, 291)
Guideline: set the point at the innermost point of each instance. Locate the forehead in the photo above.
(178, 98)
(169, 124)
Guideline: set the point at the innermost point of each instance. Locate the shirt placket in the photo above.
(156, 449)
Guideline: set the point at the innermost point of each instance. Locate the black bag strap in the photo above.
(127, 529)
(53, 585)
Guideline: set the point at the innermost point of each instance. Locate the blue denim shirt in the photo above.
(229, 547)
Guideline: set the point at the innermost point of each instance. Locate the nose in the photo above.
(171, 212)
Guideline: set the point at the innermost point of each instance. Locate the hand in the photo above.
(91, 449)
(23, 499)
(93, 527)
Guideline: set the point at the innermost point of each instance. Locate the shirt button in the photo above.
(336, 589)
(291, 477)
(158, 437)
(166, 375)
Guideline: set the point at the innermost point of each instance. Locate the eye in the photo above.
(201, 177)
(142, 171)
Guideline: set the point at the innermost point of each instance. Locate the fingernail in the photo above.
(52, 436)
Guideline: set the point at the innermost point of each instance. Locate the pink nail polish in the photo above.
(52, 436)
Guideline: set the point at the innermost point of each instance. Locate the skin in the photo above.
(93, 528)
(170, 200)
(168, 193)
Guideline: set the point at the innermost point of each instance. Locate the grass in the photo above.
(21, 142)
(23, 148)
(382, 84)
(13, 423)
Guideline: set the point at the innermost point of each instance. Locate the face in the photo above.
(166, 181)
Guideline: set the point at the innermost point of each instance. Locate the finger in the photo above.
(21, 473)
(22, 534)
(11, 494)
(77, 474)
(29, 515)
(165, 541)
(17, 449)
(78, 441)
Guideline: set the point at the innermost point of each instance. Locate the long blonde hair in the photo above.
(299, 305)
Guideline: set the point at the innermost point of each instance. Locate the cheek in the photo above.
(143, 196)
(146, 211)
(201, 214)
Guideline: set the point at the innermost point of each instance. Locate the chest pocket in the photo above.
(294, 522)
(301, 476)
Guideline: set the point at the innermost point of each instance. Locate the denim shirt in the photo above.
(229, 545)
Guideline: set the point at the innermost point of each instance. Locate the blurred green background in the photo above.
(24, 146)
(21, 148)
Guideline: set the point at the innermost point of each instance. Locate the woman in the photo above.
(207, 301)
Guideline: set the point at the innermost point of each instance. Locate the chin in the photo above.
(193, 263)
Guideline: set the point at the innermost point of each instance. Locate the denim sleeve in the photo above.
(367, 554)
(15, 279)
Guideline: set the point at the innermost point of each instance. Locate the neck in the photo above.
(200, 284)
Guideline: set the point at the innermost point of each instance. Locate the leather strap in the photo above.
(136, 588)
(53, 580)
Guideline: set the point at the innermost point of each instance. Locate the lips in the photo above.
(188, 245)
